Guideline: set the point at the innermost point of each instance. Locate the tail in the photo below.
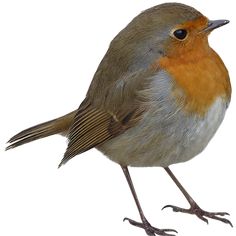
(60, 125)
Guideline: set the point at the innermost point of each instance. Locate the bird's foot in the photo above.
(201, 214)
(149, 229)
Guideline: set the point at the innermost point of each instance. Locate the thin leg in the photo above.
(150, 230)
(194, 208)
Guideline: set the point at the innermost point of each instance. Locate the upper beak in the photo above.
(213, 24)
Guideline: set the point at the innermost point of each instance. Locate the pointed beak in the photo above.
(214, 24)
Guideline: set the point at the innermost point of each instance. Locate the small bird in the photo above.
(157, 98)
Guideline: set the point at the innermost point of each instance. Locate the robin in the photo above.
(157, 98)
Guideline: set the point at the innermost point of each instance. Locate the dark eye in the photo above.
(180, 34)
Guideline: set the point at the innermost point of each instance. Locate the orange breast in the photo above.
(200, 76)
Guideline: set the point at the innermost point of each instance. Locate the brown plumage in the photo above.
(60, 125)
(157, 98)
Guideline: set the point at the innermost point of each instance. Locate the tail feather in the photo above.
(60, 125)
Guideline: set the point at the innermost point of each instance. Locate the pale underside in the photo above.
(162, 135)
(166, 134)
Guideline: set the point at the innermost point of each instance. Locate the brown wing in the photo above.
(89, 129)
(92, 127)
(106, 113)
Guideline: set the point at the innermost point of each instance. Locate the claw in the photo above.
(226, 221)
(166, 206)
(221, 213)
(203, 218)
(150, 230)
(168, 230)
(174, 208)
(201, 214)
(135, 223)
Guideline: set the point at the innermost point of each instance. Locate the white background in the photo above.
(49, 51)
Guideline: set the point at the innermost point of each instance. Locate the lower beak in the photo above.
(214, 24)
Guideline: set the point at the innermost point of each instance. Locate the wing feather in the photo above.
(106, 115)
(88, 131)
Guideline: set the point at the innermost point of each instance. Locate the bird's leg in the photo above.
(150, 230)
(194, 208)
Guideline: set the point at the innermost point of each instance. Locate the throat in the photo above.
(199, 79)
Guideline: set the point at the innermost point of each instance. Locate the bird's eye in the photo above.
(180, 34)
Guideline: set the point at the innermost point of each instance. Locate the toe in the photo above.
(224, 220)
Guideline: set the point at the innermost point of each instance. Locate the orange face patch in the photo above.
(199, 74)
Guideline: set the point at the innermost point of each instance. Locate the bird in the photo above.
(156, 99)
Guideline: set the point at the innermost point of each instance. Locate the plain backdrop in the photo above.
(49, 51)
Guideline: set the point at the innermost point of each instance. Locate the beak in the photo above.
(214, 24)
